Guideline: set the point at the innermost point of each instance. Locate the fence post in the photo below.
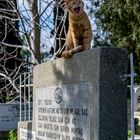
(29, 81)
(132, 95)
(24, 96)
(20, 97)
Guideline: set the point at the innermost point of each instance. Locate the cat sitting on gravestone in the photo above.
(79, 34)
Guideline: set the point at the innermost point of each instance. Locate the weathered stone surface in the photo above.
(9, 116)
(102, 69)
(25, 130)
(63, 111)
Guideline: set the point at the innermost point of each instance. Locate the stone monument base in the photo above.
(25, 131)
(81, 98)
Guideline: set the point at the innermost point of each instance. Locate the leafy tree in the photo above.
(118, 22)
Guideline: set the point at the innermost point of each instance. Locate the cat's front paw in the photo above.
(71, 52)
(67, 54)
(80, 48)
(77, 49)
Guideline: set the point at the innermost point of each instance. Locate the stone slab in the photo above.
(60, 115)
(25, 131)
(102, 68)
(9, 116)
(26, 134)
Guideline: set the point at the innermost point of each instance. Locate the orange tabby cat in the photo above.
(79, 34)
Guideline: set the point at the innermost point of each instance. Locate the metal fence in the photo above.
(132, 75)
(26, 93)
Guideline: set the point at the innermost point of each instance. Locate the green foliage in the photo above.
(129, 133)
(118, 22)
(25, 53)
(12, 135)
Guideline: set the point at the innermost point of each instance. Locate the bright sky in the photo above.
(21, 1)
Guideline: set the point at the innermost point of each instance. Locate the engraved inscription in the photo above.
(27, 134)
(62, 112)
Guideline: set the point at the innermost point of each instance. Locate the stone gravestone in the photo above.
(25, 131)
(27, 134)
(63, 109)
(137, 98)
(9, 116)
(82, 98)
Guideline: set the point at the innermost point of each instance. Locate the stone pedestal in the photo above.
(25, 131)
(82, 98)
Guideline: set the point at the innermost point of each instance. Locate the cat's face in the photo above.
(75, 6)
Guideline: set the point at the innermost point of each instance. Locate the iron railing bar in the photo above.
(24, 97)
(132, 95)
(20, 100)
(29, 98)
